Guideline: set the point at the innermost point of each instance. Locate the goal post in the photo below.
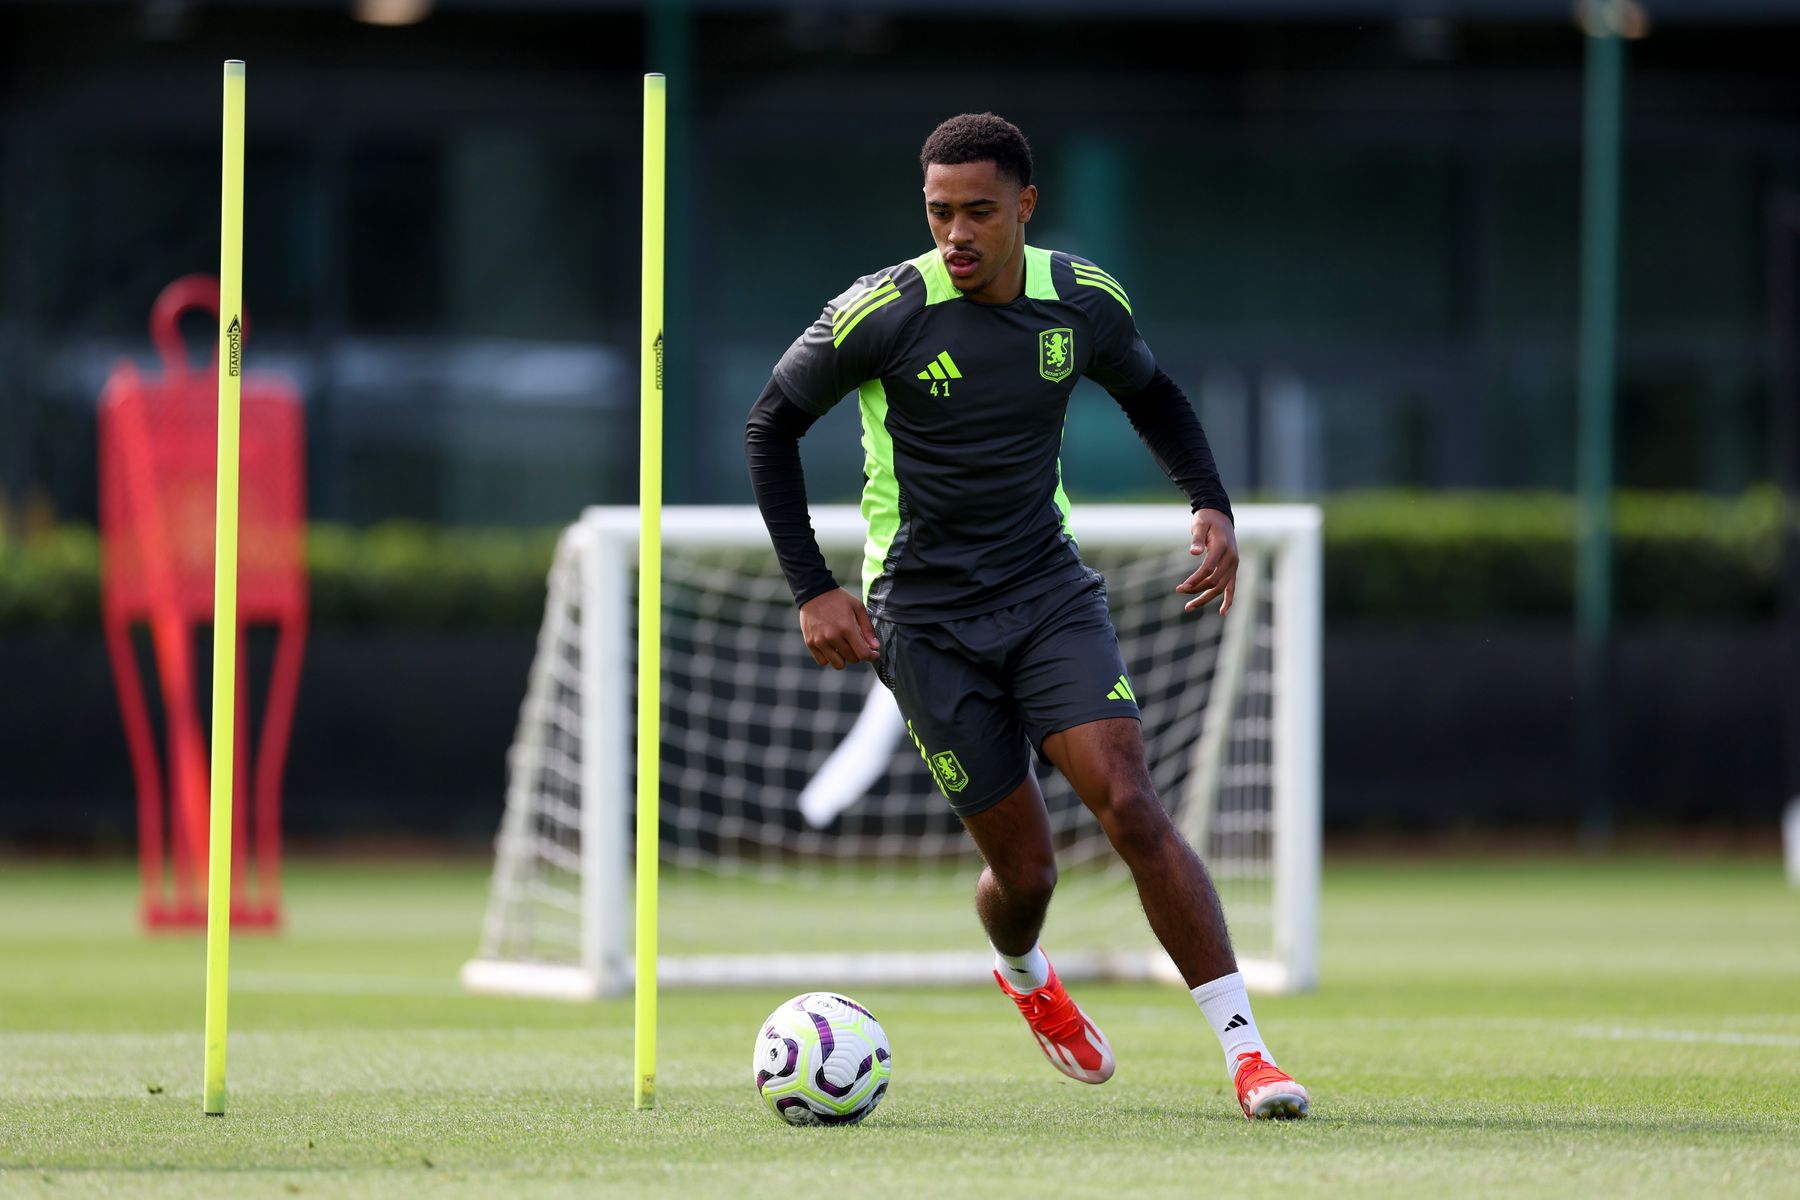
(873, 884)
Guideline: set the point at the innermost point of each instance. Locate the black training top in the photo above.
(962, 407)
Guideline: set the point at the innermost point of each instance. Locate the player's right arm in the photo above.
(833, 622)
(822, 365)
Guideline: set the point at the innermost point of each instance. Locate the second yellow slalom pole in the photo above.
(225, 557)
(649, 648)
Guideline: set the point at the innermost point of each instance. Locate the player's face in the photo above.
(978, 217)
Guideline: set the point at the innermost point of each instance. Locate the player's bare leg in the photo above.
(1013, 894)
(1012, 898)
(1104, 762)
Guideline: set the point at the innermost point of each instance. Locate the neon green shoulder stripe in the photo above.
(1093, 272)
(938, 287)
(1094, 277)
(884, 298)
(1108, 288)
(855, 306)
(1038, 284)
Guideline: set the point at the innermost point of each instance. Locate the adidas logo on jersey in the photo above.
(1122, 691)
(941, 367)
(940, 371)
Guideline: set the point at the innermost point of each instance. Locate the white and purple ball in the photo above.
(822, 1059)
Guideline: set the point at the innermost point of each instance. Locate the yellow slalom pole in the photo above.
(224, 681)
(649, 657)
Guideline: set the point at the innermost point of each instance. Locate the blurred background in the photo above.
(1352, 229)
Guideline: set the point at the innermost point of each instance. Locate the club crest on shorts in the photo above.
(1056, 354)
(950, 774)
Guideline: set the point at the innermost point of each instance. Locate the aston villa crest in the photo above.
(949, 771)
(1056, 354)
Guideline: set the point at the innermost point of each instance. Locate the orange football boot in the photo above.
(1266, 1092)
(1073, 1044)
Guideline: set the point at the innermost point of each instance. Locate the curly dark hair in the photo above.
(980, 137)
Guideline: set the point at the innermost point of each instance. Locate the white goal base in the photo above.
(546, 981)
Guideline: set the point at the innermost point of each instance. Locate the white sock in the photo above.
(1226, 1007)
(1026, 973)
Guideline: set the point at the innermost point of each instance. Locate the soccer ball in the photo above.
(822, 1059)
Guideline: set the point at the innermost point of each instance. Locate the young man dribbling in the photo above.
(976, 608)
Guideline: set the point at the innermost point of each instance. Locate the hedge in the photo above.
(1473, 555)
(394, 574)
(1388, 556)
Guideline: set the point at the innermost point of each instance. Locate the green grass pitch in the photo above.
(1573, 1028)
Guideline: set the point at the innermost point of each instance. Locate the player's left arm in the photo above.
(1215, 538)
(1165, 421)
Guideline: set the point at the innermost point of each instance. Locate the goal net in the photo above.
(803, 839)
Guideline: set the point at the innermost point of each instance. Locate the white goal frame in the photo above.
(1290, 534)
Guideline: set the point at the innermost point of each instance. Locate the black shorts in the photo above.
(979, 694)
